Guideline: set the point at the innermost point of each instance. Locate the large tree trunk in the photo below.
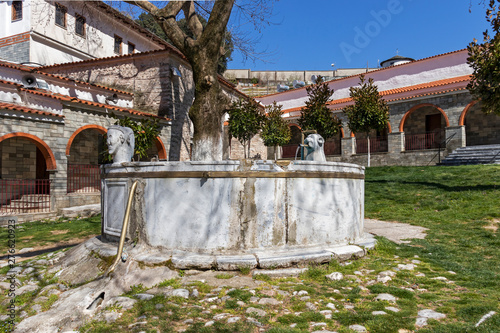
(203, 52)
(207, 110)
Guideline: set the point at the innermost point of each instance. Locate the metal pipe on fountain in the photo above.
(126, 219)
(296, 152)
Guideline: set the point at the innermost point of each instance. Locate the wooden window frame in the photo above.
(80, 17)
(118, 38)
(17, 14)
(64, 11)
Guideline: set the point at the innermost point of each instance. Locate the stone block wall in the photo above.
(18, 159)
(156, 89)
(15, 48)
(481, 129)
(86, 148)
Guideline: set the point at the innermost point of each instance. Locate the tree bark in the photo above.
(203, 53)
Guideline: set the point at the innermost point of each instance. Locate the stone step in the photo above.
(487, 154)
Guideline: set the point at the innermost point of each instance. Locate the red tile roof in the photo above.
(440, 83)
(16, 107)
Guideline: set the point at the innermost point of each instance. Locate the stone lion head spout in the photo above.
(121, 143)
(315, 148)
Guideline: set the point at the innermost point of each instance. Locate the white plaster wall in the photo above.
(9, 28)
(99, 39)
(424, 71)
(238, 214)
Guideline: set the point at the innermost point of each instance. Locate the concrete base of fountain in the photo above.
(232, 214)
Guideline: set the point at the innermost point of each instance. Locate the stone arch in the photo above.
(98, 128)
(461, 121)
(416, 107)
(50, 160)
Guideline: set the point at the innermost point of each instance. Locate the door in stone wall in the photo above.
(41, 172)
(433, 126)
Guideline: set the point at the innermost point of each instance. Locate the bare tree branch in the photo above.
(192, 19)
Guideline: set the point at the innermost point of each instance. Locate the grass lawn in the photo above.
(456, 268)
(51, 233)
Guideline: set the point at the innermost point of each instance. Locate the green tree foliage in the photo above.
(316, 115)
(245, 120)
(147, 21)
(275, 129)
(485, 61)
(369, 110)
(145, 133)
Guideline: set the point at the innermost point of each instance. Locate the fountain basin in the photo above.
(234, 208)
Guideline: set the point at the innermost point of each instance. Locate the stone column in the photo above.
(455, 138)
(396, 142)
(348, 146)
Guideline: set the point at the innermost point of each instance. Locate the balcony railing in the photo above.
(24, 196)
(429, 140)
(377, 145)
(83, 178)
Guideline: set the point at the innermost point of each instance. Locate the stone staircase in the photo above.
(488, 154)
(26, 204)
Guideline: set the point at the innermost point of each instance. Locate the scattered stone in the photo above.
(26, 249)
(301, 293)
(387, 273)
(335, 276)
(221, 316)
(42, 262)
(14, 271)
(277, 273)
(184, 293)
(37, 308)
(385, 297)
(305, 298)
(318, 324)
(253, 321)
(348, 307)
(357, 328)
(209, 323)
(188, 321)
(159, 306)
(407, 267)
(126, 303)
(421, 321)
(233, 320)
(25, 289)
(195, 293)
(331, 306)
(257, 312)
(379, 313)
(452, 272)
(427, 313)
(144, 297)
(268, 301)
(283, 293)
(358, 273)
(383, 279)
(254, 299)
(139, 323)
(29, 270)
(415, 261)
(486, 316)
(4, 285)
(420, 274)
(311, 306)
(391, 308)
(111, 317)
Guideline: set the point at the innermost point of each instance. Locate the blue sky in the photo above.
(311, 35)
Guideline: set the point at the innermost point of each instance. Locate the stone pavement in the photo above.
(394, 231)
